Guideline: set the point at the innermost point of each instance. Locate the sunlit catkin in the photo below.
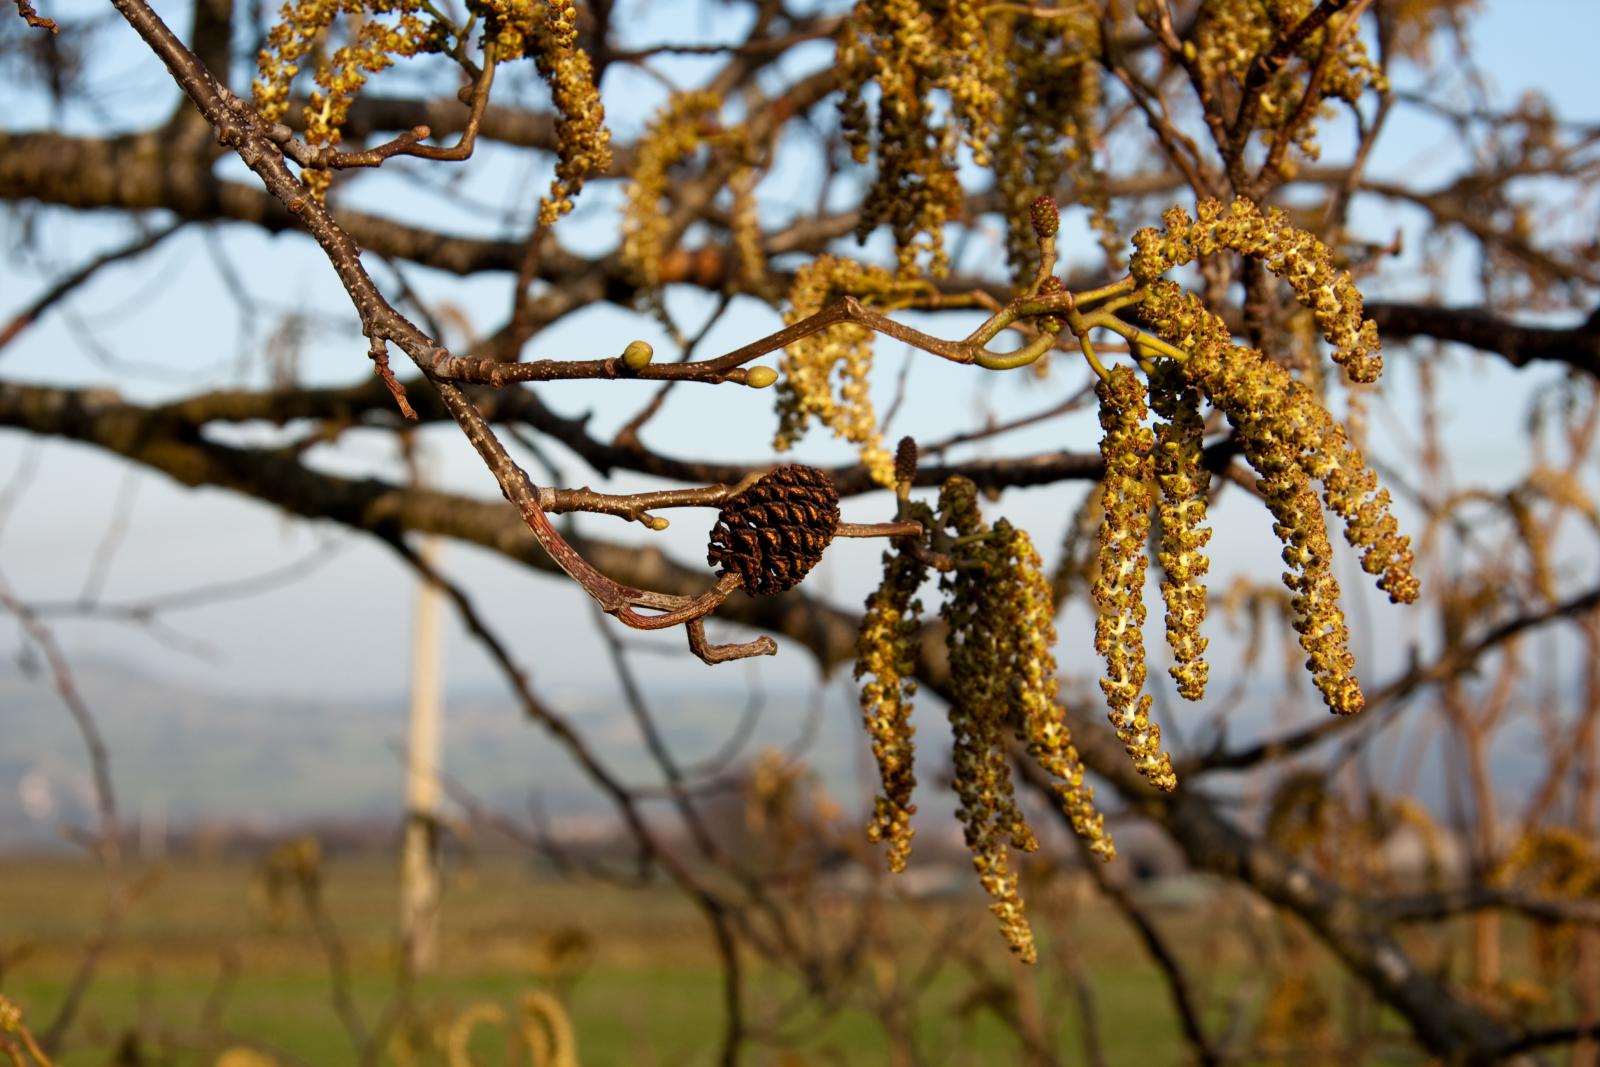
(1275, 421)
(583, 143)
(371, 46)
(1119, 586)
(1020, 93)
(1230, 36)
(1292, 254)
(1028, 658)
(899, 46)
(1351, 490)
(547, 1031)
(1180, 469)
(458, 1042)
(806, 389)
(380, 31)
(10, 1016)
(681, 126)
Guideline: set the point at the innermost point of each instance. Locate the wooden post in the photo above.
(419, 871)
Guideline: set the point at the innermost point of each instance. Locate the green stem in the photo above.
(1123, 286)
(1023, 356)
(1136, 336)
(1094, 360)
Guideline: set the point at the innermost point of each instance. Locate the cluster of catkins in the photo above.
(1287, 436)
(998, 606)
(1000, 635)
(825, 376)
(386, 29)
(1024, 100)
(1230, 36)
(302, 28)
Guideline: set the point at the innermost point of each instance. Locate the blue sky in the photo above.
(342, 630)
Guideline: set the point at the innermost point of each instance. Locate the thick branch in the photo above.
(153, 438)
(1448, 903)
(372, 402)
(1578, 346)
(1447, 1026)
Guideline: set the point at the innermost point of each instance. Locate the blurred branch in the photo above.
(107, 831)
(1520, 345)
(1447, 903)
(1452, 663)
(1179, 987)
(711, 906)
(1447, 1025)
(79, 278)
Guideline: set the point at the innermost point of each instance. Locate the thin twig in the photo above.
(1449, 664)
(34, 19)
(84, 274)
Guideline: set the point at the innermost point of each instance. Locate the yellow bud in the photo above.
(638, 355)
(760, 377)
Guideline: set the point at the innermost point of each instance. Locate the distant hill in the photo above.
(186, 756)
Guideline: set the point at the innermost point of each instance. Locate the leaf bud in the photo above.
(638, 355)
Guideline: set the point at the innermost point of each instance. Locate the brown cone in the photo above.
(773, 533)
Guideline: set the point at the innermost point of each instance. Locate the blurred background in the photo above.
(639, 859)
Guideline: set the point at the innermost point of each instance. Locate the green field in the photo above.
(201, 963)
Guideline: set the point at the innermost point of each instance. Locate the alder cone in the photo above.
(773, 533)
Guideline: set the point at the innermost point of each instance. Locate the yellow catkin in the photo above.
(1288, 252)
(458, 1045)
(1001, 636)
(1179, 461)
(383, 30)
(1046, 132)
(583, 143)
(10, 1016)
(886, 658)
(1229, 35)
(1276, 422)
(1320, 444)
(990, 820)
(897, 46)
(240, 1056)
(1028, 660)
(547, 1031)
(1023, 98)
(744, 224)
(806, 389)
(1118, 587)
(300, 24)
(1351, 491)
(682, 125)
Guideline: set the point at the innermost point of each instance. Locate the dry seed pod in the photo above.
(773, 533)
